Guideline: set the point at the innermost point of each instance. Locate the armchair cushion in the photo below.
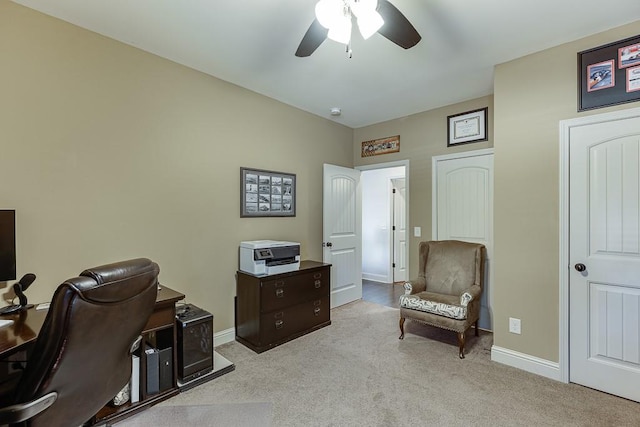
(451, 306)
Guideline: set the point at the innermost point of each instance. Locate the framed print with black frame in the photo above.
(468, 127)
(609, 74)
(267, 193)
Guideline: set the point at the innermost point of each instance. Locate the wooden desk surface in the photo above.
(26, 325)
(23, 330)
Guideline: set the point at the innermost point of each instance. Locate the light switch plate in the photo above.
(417, 231)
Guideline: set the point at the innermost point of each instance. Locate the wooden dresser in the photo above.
(274, 309)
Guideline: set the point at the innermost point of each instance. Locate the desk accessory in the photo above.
(19, 287)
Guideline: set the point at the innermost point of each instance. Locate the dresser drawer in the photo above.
(290, 290)
(281, 324)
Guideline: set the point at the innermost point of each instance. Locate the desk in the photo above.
(22, 332)
(26, 325)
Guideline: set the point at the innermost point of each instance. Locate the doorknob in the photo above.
(580, 267)
(327, 244)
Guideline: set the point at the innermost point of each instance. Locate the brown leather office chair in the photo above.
(447, 291)
(82, 356)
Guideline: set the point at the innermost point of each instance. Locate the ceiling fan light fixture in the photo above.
(363, 7)
(328, 12)
(370, 23)
(340, 31)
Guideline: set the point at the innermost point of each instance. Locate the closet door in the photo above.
(463, 209)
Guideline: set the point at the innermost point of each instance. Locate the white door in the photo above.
(604, 242)
(463, 209)
(342, 235)
(399, 221)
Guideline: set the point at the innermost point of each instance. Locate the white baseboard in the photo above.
(526, 362)
(376, 277)
(224, 337)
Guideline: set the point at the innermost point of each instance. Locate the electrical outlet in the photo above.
(417, 231)
(514, 325)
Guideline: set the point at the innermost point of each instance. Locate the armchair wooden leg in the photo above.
(401, 328)
(461, 344)
(477, 330)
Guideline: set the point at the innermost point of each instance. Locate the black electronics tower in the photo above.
(195, 342)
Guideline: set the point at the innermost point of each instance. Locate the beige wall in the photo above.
(531, 96)
(108, 153)
(422, 136)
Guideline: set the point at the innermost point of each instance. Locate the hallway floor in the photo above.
(386, 294)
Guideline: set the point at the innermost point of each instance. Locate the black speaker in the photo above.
(195, 342)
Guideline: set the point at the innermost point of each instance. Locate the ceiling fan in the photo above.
(334, 21)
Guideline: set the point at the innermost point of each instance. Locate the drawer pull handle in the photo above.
(279, 293)
(317, 275)
(279, 324)
(317, 283)
(316, 311)
(317, 303)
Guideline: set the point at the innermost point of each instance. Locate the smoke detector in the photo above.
(335, 111)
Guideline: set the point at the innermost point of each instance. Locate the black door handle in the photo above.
(580, 267)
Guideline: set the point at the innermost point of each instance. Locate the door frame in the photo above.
(393, 164)
(564, 267)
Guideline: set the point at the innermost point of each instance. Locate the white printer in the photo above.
(262, 257)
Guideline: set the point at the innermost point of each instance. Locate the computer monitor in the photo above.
(7, 245)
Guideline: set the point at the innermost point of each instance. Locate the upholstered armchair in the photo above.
(447, 291)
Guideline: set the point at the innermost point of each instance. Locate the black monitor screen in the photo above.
(7, 245)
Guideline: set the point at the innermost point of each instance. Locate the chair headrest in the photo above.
(133, 274)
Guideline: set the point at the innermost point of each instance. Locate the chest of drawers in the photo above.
(274, 309)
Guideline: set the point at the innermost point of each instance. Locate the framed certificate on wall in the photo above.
(465, 128)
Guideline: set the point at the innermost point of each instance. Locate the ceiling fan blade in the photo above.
(397, 27)
(313, 38)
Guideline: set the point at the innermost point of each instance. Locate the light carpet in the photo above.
(356, 372)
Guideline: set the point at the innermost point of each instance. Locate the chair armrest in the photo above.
(135, 345)
(470, 294)
(23, 411)
(414, 286)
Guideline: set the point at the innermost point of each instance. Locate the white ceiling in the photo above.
(251, 43)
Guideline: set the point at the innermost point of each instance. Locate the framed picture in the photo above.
(267, 193)
(375, 147)
(609, 74)
(633, 79)
(468, 127)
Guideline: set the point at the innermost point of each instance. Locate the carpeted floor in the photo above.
(220, 414)
(357, 373)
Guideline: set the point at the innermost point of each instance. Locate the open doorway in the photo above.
(384, 231)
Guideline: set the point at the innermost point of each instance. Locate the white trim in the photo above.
(434, 182)
(564, 265)
(393, 164)
(526, 362)
(376, 277)
(563, 297)
(224, 337)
